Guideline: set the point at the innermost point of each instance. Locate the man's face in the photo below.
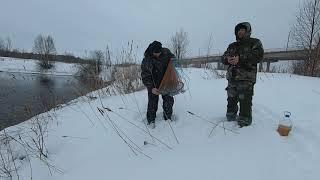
(241, 33)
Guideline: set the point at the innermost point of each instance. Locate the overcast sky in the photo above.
(77, 25)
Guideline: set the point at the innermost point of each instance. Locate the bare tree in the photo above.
(306, 33)
(92, 69)
(108, 62)
(179, 43)
(209, 45)
(318, 49)
(44, 46)
(98, 57)
(2, 44)
(8, 44)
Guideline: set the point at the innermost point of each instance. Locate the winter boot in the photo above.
(231, 116)
(151, 125)
(244, 121)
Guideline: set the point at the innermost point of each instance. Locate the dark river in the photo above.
(23, 96)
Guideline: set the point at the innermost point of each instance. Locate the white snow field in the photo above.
(84, 138)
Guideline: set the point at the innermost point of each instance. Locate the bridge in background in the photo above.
(270, 56)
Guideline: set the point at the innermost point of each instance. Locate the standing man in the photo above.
(242, 57)
(153, 67)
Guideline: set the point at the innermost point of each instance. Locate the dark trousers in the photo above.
(153, 106)
(240, 91)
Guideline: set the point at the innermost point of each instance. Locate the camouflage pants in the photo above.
(153, 106)
(240, 91)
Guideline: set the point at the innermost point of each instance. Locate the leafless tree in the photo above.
(108, 62)
(98, 57)
(179, 43)
(6, 44)
(306, 33)
(90, 71)
(2, 44)
(9, 43)
(209, 46)
(45, 46)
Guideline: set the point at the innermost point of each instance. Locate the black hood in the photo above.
(243, 24)
(155, 46)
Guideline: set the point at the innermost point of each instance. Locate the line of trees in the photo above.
(43, 49)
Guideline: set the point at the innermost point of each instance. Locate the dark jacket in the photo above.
(250, 52)
(153, 69)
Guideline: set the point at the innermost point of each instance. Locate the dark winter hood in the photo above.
(243, 24)
(154, 47)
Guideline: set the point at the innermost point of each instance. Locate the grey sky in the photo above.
(77, 25)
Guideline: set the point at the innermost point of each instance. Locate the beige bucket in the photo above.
(284, 130)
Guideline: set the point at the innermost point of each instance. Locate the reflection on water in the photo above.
(23, 96)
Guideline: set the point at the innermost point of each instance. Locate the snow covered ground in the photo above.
(30, 66)
(83, 140)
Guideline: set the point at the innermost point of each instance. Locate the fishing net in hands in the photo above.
(171, 83)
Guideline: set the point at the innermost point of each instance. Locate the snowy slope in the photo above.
(84, 145)
(30, 66)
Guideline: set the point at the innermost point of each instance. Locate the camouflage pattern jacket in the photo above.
(250, 52)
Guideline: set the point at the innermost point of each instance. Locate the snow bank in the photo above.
(31, 66)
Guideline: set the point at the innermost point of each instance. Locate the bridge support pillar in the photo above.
(268, 66)
(261, 66)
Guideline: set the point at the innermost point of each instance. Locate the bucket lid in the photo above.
(287, 114)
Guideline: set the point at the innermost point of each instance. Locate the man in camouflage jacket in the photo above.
(242, 58)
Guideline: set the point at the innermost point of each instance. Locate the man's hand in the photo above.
(233, 60)
(155, 91)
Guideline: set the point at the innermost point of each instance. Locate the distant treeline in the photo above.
(58, 58)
